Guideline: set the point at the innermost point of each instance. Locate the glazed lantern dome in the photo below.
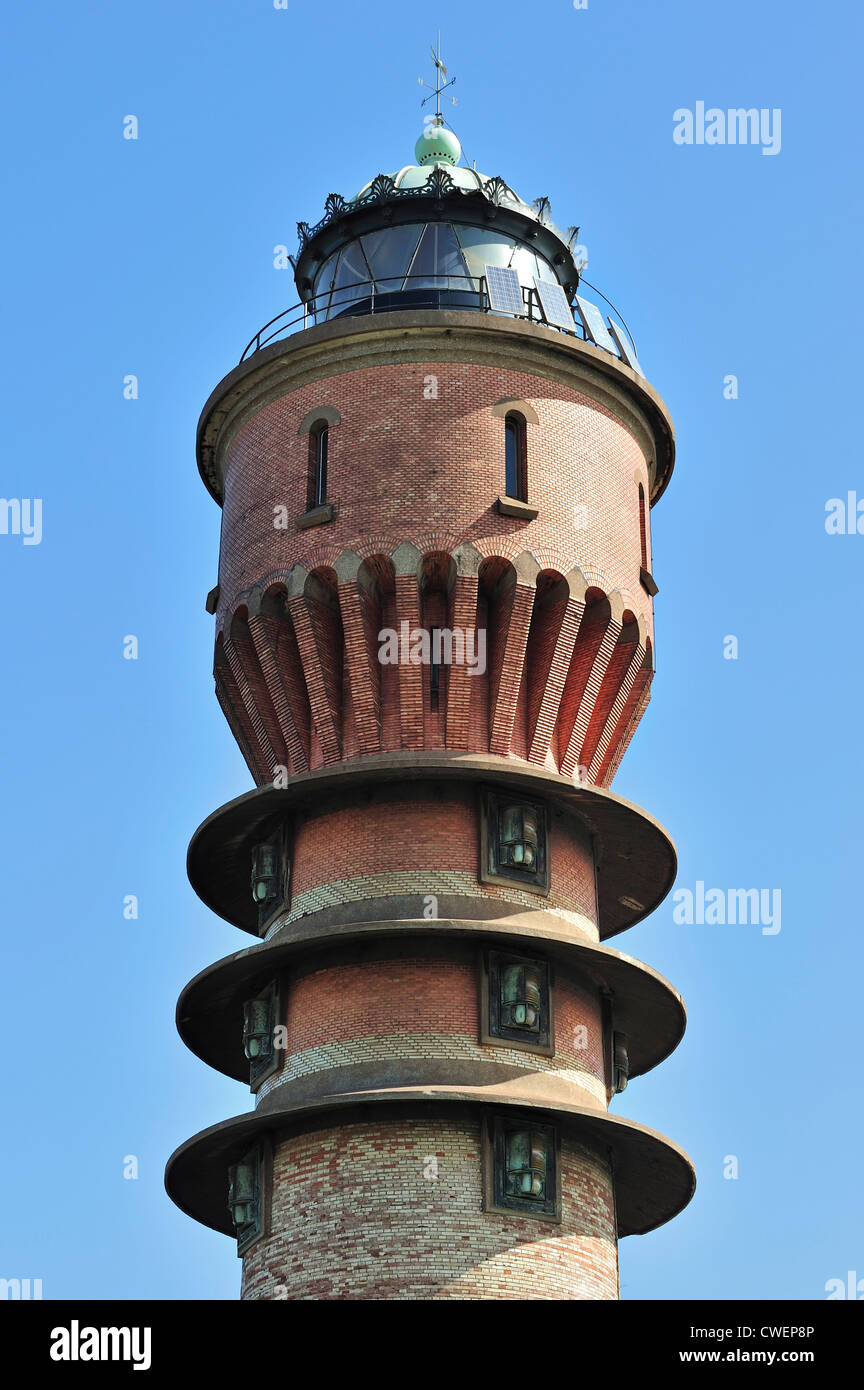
(423, 236)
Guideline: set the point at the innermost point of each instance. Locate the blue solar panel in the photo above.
(553, 302)
(595, 325)
(505, 292)
(625, 347)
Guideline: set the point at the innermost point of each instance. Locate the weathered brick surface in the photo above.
(426, 1007)
(394, 1210)
(405, 468)
(400, 847)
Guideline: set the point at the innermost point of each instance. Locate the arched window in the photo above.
(515, 484)
(317, 487)
(643, 528)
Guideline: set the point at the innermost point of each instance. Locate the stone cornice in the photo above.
(351, 344)
(654, 1178)
(636, 860)
(210, 1010)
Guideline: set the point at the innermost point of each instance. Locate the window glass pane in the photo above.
(526, 1164)
(324, 278)
(320, 466)
(438, 262)
(546, 272)
(521, 1000)
(389, 254)
(323, 285)
(511, 823)
(482, 247)
(511, 986)
(538, 1165)
(511, 481)
(526, 265)
(352, 266)
(352, 269)
(518, 1150)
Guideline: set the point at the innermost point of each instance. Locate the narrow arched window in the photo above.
(515, 481)
(643, 528)
(317, 487)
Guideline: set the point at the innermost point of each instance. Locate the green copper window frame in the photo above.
(270, 861)
(261, 1016)
(505, 1137)
(248, 1186)
(496, 809)
(496, 1029)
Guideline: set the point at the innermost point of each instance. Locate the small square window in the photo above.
(514, 836)
(522, 1167)
(270, 875)
(516, 1004)
(260, 1017)
(247, 1197)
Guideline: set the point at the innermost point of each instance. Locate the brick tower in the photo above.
(433, 645)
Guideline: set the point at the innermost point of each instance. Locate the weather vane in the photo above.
(440, 72)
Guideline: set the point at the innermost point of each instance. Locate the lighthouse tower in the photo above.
(434, 642)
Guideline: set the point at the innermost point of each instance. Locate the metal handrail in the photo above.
(311, 309)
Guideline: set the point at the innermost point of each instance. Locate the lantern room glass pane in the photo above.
(389, 253)
(527, 265)
(352, 278)
(323, 285)
(481, 247)
(438, 262)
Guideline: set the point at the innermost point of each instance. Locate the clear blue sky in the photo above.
(155, 258)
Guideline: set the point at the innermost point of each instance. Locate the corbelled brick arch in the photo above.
(627, 658)
(598, 633)
(302, 681)
(279, 658)
(632, 710)
(232, 704)
(558, 609)
(313, 605)
(360, 605)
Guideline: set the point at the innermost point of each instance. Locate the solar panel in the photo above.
(505, 292)
(625, 347)
(553, 302)
(595, 324)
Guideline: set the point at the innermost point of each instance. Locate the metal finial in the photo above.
(440, 72)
